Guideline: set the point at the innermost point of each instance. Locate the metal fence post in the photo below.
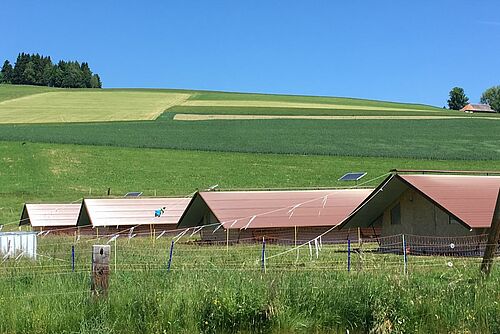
(170, 255)
(263, 260)
(73, 258)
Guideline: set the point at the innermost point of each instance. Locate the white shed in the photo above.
(14, 244)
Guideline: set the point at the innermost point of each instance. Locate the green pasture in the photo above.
(36, 172)
(227, 96)
(283, 104)
(213, 290)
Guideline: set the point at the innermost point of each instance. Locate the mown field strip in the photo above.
(92, 106)
(11, 92)
(276, 104)
(23, 98)
(197, 117)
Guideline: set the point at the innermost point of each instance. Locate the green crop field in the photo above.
(466, 139)
(460, 137)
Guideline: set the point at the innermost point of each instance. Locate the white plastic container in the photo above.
(18, 244)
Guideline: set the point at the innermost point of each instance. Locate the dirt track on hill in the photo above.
(303, 105)
(197, 117)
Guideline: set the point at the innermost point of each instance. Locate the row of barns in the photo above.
(437, 205)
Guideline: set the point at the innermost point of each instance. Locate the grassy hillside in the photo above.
(209, 289)
(226, 96)
(460, 136)
(65, 173)
(29, 104)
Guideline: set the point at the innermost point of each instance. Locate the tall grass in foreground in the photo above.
(211, 290)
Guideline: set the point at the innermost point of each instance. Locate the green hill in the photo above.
(115, 129)
(28, 104)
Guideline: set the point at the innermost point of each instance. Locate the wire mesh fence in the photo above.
(256, 250)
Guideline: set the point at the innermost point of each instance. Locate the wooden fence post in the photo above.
(492, 243)
(100, 270)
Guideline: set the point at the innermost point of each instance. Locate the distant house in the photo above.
(439, 209)
(471, 108)
(278, 216)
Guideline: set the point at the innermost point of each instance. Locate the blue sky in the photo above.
(388, 50)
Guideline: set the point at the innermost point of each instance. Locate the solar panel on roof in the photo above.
(353, 176)
(133, 194)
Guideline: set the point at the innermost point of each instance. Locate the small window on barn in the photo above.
(452, 220)
(396, 215)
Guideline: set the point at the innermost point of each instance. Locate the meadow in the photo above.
(229, 96)
(211, 289)
(37, 172)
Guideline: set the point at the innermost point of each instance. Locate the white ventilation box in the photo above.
(18, 244)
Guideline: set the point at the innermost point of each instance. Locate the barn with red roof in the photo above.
(432, 206)
(282, 216)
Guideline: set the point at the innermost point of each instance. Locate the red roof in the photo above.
(264, 209)
(478, 108)
(41, 215)
(131, 211)
(470, 198)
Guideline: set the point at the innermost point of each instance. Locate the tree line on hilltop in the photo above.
(38, 70)
(458, 99)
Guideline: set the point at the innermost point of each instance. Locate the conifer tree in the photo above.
(36, 69)
(6, 72)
